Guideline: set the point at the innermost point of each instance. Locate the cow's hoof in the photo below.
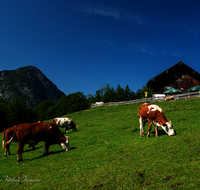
(141, 134)
(19, 160)
(46, 154)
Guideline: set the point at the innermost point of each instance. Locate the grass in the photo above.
(109, 154)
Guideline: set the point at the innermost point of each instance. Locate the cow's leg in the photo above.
(19, 152)
(7, 150)
(149, 129)
(142, 123)
(5, 154)
(66, 129)
(19, 157)
(46, 149)
(9, 153)
(156, 127)
(31, 145)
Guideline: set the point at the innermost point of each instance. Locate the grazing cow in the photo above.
(171, 98)
(36, 132)
(7, 134)
(99, 104)
(65, 122)
(153, 114)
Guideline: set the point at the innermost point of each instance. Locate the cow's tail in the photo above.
(8, 142)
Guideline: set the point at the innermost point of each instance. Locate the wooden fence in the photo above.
(153, 99)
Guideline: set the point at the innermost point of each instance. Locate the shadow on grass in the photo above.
(135, 130)
(50, 153)
(31, 149)
(27, 150)
(161, 132)
(70, 132)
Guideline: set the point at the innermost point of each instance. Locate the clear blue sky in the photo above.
(81, 44)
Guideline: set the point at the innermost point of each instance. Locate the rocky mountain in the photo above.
(28, 83)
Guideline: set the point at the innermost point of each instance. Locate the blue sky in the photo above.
(81, 44)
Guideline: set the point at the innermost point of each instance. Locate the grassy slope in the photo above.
(109, 154)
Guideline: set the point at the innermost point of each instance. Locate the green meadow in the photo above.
(108, 153)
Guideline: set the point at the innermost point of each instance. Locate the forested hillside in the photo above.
(16, 111)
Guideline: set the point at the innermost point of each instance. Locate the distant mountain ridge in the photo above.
(28, 83)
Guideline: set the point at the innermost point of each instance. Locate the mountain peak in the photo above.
(28, 83)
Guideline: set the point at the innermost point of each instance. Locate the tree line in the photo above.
(108, 94)
(16, 111)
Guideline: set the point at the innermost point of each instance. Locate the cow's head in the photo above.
(73, 126)
(168, 128)
(65, 144)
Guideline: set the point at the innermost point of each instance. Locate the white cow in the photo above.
(65, 122)
(171, 98)
(99, 104)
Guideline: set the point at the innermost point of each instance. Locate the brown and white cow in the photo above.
(65, 122)
(7, 135)
(153, 114)
(37, 132)
(170, 98)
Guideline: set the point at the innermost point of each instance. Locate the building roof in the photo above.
(179, 63)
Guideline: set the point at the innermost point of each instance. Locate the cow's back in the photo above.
(36, 132)
(151, 112)
(24, 131)
(144, 110)
(62, 122)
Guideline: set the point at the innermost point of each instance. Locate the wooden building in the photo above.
(180, 76)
